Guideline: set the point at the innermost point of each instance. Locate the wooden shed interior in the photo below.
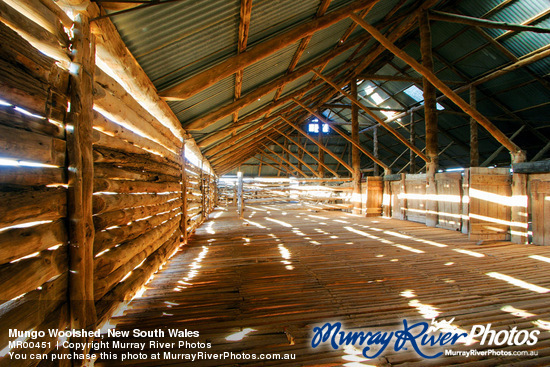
(258, 167)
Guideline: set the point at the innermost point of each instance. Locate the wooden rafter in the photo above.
(399, 78)
(212, 117)
(374, 116)
(517, 153)
(319, 145)
(302, 47)
(304, 150)
(288, 151)
(341, 133)
(204, 79)
(485, 23)
(282, 158)
(244, 26)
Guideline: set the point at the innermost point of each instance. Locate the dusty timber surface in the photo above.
(284, 269)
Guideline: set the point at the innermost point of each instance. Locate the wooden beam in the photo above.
(355, 153)
(517, 153)
(254, 138)
(212, 117)
(485, 23)
(534, 19)
(474, 139)
(121, 64)
(184, 217)
(243, 134)
(341, 133)
(244, 26)
(301, 161)
(430, 120)
(37, 36)
(204, 79)
(282, 168)
(319, 145)
(267, 163)
(535, 56)
(541, 152)
(400, 78)
(499, 149)
(304, 150)
(302, 47)
(412, 138)
(284, 160)
(375, 143)
(356, 102)
(80, 182)
(240, 203)
(345, 106)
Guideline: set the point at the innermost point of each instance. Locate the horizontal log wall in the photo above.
(33, 190)
(201, 194)
(138, 186)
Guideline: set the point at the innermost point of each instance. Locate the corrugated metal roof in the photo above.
(270, 17)
(172, 42)
(273, 66)
(175, 41)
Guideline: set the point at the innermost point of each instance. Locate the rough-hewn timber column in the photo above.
(430, 117)
(412, 139)
(355, 153)
(375, 150)
(321, 154)
(80, 179)
(240, 194)
(474, 145)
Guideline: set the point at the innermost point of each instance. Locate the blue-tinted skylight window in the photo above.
(325, 128)
(416, 93)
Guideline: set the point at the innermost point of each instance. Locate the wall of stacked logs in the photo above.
(94, 201)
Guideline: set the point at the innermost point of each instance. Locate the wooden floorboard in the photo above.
(284, 269)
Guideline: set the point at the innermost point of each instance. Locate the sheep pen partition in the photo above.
(94, 201)
(488, 204)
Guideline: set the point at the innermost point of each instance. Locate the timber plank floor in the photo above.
(283, 269)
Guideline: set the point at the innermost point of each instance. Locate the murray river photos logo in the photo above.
(419, 336)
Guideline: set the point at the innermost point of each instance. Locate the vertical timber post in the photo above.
(80, 181)
(412, 139)
(183, 223)
(375, 150)
(465, 224)
(321, 153)
(474, 142)
(520, 212)
(355, 153)
(240, 194)
(430, 115)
